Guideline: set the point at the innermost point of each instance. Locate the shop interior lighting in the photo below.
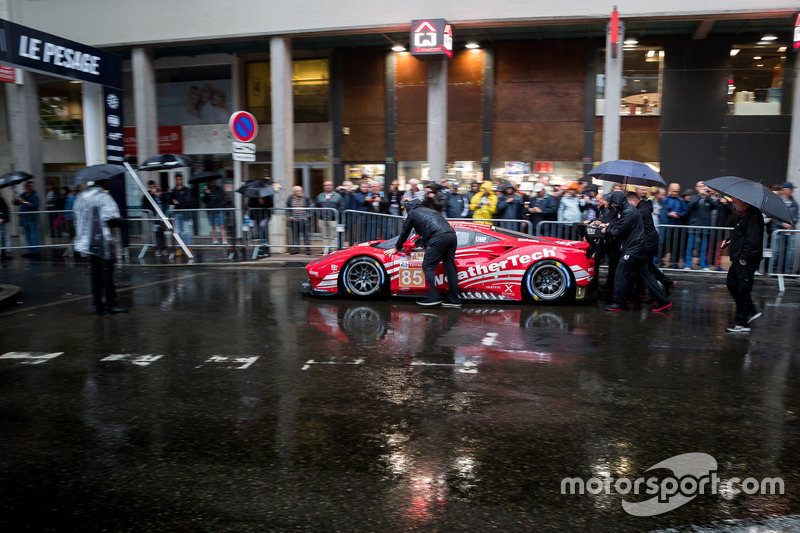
(782, 49)
(472, 46)
(398, 48)
(651, 53)
(734, 51)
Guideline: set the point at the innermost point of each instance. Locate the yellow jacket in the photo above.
(484, 206)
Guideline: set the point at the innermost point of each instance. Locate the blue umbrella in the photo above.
(752, 193)
(627, 172)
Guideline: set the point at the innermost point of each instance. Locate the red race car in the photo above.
(493, 264)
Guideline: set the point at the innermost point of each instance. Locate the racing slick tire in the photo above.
(364, 278)
(548, 281)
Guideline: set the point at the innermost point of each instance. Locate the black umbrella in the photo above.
(256, 189)
(202, 177)
(97, 173)
(12, 178)
(166, 162)
(627, 172)
(752, 193)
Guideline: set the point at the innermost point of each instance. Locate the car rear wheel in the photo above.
(364, 278)
(548, 281)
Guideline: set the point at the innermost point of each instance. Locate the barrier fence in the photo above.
(320, 230)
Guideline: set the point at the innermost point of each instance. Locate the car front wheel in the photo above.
(364, 278)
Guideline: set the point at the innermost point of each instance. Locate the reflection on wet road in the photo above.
(226, 402)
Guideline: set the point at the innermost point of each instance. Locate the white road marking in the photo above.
(237, 363)
(359, 361)
(138, 360)
(31, 358)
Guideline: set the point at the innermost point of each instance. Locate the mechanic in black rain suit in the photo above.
(440, 242)
(645, 208)
(629, 229)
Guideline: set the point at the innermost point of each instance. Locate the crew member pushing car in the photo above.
(438, 238)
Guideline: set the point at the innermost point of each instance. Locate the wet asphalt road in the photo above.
(225, 401)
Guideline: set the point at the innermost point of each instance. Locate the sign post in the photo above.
(244, 129)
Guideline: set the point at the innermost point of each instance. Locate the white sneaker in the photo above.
(736, 328)
(687, 268)
(706, 269)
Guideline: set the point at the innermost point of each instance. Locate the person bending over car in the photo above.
(438, 238)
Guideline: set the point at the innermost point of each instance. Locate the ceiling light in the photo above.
(473, 46)
(770, 37)
(734, 51)
(651, 53)
(630, 41)
(782, 49)
(756, 57)
(760, 65)
(398, 48)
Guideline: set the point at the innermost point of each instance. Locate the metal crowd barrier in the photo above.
(782, 259)
(293, 228)
(688, 247)
(34, 230)
(363, 226)
(559, 230)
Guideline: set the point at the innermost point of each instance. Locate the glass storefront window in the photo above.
(527, 173)
(310, 85)
(194, 95)
(357, 172)
(755, 84)
(642, 75)
(60, 109)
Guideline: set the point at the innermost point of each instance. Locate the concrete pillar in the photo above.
(613, 97)
(437, 118)
(22, 109)
(280, 56)
(93, 130)
(144, 103)
(793, 167)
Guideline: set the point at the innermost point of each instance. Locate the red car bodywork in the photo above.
(493, 264)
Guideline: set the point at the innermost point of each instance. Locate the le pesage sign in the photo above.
(35, 50)
(431, 39)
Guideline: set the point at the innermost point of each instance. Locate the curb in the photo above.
(8, 294)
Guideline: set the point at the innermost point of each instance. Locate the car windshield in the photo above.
(391, 243)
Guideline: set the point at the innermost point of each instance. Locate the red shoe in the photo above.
(614, 308)
(661, 307)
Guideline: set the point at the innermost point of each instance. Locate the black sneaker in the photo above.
(429, 303)
(614, 308)
(668, 287)
(662, 306)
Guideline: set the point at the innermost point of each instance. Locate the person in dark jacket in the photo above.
(181, 198)
(510, 206)
(645, 208)
(5, 226)
(541, 208)
(457, 205)
(700, 207)
(434, 197)
(29, 202)
(440, 242)
(214, 198)
(629, 229)
(746, 245)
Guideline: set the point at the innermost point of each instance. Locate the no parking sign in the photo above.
(244, 127)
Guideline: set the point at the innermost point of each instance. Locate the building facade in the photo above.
(706, 90)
